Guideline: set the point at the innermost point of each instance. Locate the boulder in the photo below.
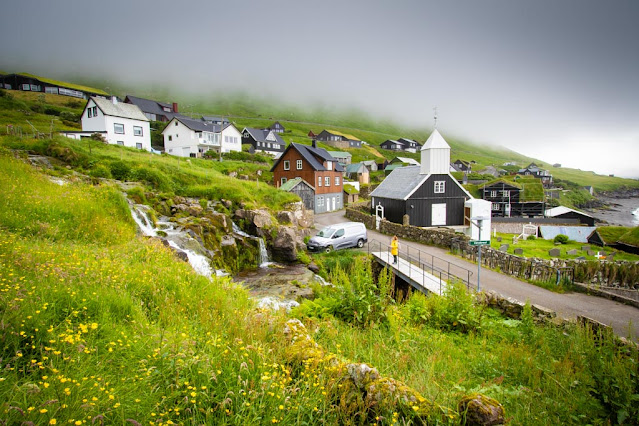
(478, 409)
(285, 245)
(313, 267)
(554, 252)
(286, 218)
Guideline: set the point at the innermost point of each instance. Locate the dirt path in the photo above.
(622, 318)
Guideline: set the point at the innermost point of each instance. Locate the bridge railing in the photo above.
(426, 262)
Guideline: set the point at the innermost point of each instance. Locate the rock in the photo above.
(233, 174)
(504, 247)
(519, 251)
(554, 252)
(478, 409)
(499, 239)
(313, 267)
(286, 218)
(591, 253)
(280, 283)
(572, 252)
(227, 203)
(244, 177)
(580, 258)
(219, 220)
(361, 374)
(541, 312)
(285, 245)
(227, 240)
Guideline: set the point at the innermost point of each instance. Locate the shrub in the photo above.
(531, 238)
(561, 239)
(152, 177)
(100, 171)
(120, 170)
(69, 116)
(73, 104)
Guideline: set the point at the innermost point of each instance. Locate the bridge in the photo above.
(423, 271)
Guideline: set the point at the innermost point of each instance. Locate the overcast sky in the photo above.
(554, 79)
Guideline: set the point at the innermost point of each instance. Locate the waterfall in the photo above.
(176, 238)
(265, 261)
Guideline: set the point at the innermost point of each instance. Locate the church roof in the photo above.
(435, 140)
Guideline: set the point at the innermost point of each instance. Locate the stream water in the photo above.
(274, 286)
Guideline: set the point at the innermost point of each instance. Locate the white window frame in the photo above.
(336, 180)
(495, 207)
(138, 145)
(121, 143)
(287, 164)
(493, 194)
(298, 164)
(327, 181)
(319, 181)
(137, 128)
(115, 128)
(283, 181)
(440, 187)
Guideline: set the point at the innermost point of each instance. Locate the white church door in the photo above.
(439, 215)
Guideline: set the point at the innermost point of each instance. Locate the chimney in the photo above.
(114, 99)
(175, 107)
(314, 143)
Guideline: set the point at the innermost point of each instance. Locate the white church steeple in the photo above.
(435, 155)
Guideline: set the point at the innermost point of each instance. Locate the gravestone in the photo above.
(499, 239)
(519, 251)
(580, 258)
(504, 247)
(585, 248)
(554, 252)
(591, 253)
(572, 252)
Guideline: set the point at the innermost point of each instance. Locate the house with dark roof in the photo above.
(302, 189)
(315, 165)
(533, 170)
(276, 127)
(311, 134)
(371, 165)
(117, 122)
(215, 119)
(261, 140)
(339, 139)
(401, 144)
(509, 198)
(154, 110)
(187, 137)
(426, 192)
(462, 166)
(34, 83)
(579, 234)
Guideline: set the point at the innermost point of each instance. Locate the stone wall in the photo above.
(607, 273)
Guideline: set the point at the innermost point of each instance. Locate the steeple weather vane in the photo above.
(435, 116)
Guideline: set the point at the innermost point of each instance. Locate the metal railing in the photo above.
(426, 263)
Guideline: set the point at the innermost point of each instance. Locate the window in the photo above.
(319, 181)
(176, 123)
(329, 165)
(327, 181)
(138, 145)
(121, 143)
(506, 193)
(495, 206)
(137, 131)
(287, 165)
(35, 87)
(284, 180)
(493, 194)
(118, 128)
(299, 164)
(26, 87)
(336, 180)
(440, 186)
(320, 201)
(89, 113)
(170, 138)
(53, 90)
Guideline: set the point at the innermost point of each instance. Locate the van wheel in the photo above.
(360, 243)
(329, 249)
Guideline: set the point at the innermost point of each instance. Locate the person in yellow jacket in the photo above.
(394, 248)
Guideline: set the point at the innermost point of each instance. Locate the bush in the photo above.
(531, 238)
(561, 239)
(152, 177)
(100, 171)
(74, 104)
(120, 170)
(69, 116)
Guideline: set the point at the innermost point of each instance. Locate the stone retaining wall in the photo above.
(619, 274)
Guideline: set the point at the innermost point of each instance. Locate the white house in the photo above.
(186, 137)
(119, 123)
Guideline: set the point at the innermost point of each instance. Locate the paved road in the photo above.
(622, 318)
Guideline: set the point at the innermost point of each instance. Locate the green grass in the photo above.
(539, 248)
(631, 237)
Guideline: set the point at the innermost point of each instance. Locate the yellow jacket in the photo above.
(394, 247)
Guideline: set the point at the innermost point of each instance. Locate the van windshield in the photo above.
(326, 232)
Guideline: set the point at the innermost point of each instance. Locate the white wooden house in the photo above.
(119, 123)
(186, 137)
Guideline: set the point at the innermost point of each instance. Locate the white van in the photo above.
(339, 236)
